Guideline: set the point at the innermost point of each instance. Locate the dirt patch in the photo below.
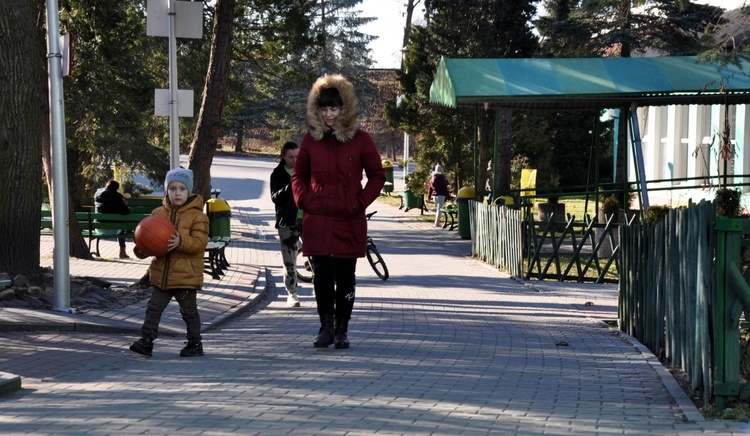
(36, 291)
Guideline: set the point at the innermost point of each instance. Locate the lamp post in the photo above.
(400, 100)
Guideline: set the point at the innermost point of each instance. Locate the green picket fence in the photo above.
(496, 236)
(667, 289)
(732, 299)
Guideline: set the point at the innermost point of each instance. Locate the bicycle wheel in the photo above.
(305, 271)
(376, 261)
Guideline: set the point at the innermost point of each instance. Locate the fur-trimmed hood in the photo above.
(347, 123)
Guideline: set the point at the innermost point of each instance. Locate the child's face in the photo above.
(178, 193)
(290, 157)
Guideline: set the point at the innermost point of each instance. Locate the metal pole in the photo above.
(174, 121)
(406, 156)
(61, 260)
(639, 155)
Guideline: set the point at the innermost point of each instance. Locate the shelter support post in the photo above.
(495, 155)
(638, 147)
(476, 150)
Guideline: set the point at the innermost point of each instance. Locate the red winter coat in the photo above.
(327, 179)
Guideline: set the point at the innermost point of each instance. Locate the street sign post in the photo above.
(174, 19)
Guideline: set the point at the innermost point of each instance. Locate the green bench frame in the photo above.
(215, 260)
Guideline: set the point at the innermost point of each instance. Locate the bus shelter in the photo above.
(624, 84)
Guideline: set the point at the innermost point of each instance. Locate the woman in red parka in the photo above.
(327, 185)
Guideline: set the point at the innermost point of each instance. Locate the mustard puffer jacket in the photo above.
(182, 268)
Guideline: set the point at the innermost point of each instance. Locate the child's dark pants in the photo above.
(187, 300)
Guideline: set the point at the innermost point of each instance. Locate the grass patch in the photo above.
(591, 273)
(391, 200)
(395, 200)
(739, 413)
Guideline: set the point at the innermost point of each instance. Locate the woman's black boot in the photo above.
(340, 340)
(325, 334)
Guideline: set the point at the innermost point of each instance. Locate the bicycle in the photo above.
(304, 266)
(306, 273)
(373, 255)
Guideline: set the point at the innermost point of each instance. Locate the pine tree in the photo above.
(339, 45)
(469, 29)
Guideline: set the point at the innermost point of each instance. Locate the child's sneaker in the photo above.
(143, 346)
(292, 300)
(192, 349)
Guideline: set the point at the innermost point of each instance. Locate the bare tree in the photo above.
(215, 91)
(410, 5)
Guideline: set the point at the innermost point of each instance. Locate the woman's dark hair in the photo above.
(330, 97)
(289, 145)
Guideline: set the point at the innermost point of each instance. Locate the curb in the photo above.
(681, 399)
(260, 288)
(9, 383)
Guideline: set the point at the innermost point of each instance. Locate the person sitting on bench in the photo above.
(109, 200)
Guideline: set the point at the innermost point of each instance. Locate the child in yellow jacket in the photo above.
(179, 273)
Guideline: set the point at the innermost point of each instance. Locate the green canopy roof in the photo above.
(587, 82)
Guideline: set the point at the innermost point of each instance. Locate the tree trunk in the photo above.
(20, 141)
(214, 96)
(624, 11)
(76, 242)
(240, 138)
(407, 26)
(486, 129)
(505, 151)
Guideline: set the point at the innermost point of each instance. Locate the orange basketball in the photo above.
(152, 235)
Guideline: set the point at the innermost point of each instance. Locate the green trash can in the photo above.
(219, 213)
(462, 199)
(388, 167)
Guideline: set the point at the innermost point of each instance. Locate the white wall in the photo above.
(684, 141)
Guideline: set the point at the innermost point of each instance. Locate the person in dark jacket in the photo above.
(327, 185)
(288, 217)
(109, 200)
(439, 190)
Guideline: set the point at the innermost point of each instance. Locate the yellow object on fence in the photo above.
(528, 181)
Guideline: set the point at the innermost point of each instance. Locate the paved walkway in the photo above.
(446, 346)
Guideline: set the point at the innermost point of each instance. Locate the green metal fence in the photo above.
(572, 251)
(558, 250)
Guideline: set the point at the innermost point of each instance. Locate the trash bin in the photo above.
(462, 199)
(388, 167)
(218, 212)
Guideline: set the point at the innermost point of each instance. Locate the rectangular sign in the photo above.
(184, 103)
(188, 18)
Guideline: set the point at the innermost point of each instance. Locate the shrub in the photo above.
(611, 206)
(656, 213)
(416, 182)
(727, 202)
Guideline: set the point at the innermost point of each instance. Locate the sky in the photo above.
(391, 17)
